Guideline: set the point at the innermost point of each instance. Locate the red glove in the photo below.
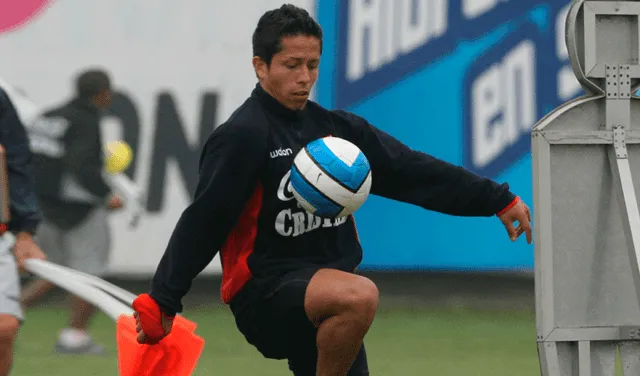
(152, 324)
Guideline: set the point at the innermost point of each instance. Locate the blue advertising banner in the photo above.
(463, 80)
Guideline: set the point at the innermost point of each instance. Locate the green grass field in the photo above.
(400, 343)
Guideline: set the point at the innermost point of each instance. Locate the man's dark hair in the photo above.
(288, 20)
(92, 82)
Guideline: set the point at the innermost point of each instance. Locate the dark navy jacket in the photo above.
(25, 212)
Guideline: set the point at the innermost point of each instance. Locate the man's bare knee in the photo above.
(9, 327)
(362, 298)
(332, 293)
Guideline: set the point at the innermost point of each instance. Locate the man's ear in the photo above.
(260, 67)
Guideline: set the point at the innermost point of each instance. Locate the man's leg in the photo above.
(342, 306)
(10, 311)
(87, 246)
(303, 362)
(35, 290)
(9, 326)
(300, 314)
(75, 339)
(81, 313)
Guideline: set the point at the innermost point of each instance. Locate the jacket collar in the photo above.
(273, 106)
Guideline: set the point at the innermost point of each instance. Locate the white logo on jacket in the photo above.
(281, 153)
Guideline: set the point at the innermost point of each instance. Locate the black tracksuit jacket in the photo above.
(244, 209)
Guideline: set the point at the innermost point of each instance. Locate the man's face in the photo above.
(293, 70)
(103, 100)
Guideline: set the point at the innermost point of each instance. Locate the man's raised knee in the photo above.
(9, 327)
(362, 297)
(335, 293)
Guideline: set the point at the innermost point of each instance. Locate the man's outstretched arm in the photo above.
(414, 177)
(403, 174)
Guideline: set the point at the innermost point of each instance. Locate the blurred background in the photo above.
(463, 80)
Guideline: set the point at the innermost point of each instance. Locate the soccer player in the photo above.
(294, 292)
(25, 217)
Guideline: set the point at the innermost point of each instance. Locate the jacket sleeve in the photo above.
(25, 212)
(411, 176)
(80, 158)
(229, 166)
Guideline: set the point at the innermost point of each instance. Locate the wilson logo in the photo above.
(281, 153)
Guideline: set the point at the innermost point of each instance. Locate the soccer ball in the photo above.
(331, 177)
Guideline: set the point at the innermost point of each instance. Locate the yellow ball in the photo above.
(118, 156)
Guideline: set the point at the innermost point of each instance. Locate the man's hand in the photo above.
(26, 248)
(517, 213)
(115, 202)
(152, 324)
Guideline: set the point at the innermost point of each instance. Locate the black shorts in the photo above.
(277, 325)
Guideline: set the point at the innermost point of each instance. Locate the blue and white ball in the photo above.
(331, 177)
